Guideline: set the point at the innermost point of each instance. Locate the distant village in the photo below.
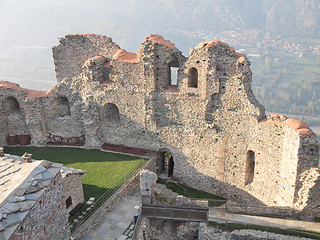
(253, 40)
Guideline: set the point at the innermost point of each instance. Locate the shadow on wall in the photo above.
(179, 169)
(312, 207)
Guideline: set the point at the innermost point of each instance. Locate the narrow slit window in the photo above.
(251, 158)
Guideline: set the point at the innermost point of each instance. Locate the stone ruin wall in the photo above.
(38, 224)
(211, 129)
(72, 187)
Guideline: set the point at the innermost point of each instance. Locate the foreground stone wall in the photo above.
(48, 218)
(208, 118)
(72, 187)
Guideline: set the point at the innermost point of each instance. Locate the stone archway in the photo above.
(166, 165)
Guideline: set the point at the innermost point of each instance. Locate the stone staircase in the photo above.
(163, 191)
(163, 195)
(166, 204)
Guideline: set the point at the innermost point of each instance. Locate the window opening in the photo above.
(13, 105)
(173, 73)
(62, 107)
(111, 112)
(193, 78)
(250, 167)
(68, 202)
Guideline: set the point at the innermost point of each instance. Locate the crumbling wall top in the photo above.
(155, 38)
(124, 56)
(29, 93)
(75, 49)
(299, 126)
(213, 43)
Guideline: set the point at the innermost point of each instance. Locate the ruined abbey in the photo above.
(199, 108)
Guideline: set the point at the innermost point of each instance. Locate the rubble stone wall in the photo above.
(48, 218)
(74, 50)
(210, 121)
(72, 186)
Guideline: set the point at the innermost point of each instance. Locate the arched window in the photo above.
(250, 167)
(111, 113)
(61, 107)
(12, 105)
(193, 77)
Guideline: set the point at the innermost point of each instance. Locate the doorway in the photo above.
(167, 165)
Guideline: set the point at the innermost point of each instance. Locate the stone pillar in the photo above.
(147, 183)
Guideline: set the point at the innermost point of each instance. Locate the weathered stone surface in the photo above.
(208, 232)
(1, 226)
(20, 199)
(72, 187)
(147, 182)
(9, 208)
(48, 218)
(26, 205)
(168, 230)
(11, 220)
(46, 164)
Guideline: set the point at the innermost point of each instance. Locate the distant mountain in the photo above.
(293, 17)
(284, 17)
(278, 17)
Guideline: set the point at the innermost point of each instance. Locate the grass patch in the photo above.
(189, 192)
(103, 168)
(292, 232)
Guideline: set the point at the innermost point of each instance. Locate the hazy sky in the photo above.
(29, 28)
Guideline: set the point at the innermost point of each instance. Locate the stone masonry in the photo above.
(208, 118)
(32, 201)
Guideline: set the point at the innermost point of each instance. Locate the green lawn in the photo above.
(104, 169)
